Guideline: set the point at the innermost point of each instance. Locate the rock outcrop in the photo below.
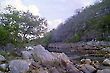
(40, 60)
(104, 71)
(42, 55)
(2, 58)
(19, 66)
(106, 62)
(86, 68)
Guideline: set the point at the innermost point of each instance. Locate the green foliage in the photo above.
(46, 39)
(19, 28)
(102, 25)
(74, 38)
(92, 22)
(4, 36)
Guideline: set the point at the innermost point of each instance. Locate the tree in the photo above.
(22, 26)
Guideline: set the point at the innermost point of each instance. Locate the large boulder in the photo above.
(61, 56)
(38, 69)
(41, 70)
(86, 68)
(42, 55)
(9, 47)
(72, 69)
(104, 71)
(26, 54)
(4, 67)
(19, 66)
(96, 64)
(53, 70)
(2, 58)
(106, 62)
(1, 72)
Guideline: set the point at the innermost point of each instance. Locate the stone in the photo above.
(86, 61)
(86, 68)
(27, 54)
(41, 70)
(106, 49)
(42, 55)
(3, 66)
(1, 72)
(104, 71)
(61, 56)
(19, 66)
(72, 69)
(53, 70)
(106, 62)
(2, 58)
(96, 64)
(9, 47)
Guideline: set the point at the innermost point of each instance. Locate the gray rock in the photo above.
(86, 68)
(26, 54)
(86, 61)
(96, 64)
(41, 70)
(19, 66)
(106, 62)
(72, 69)
(2, 58)
(106, 49)
(1, 72)
(42, 55)
(104, 71)
(61, 56)
(54, 70)
(3, 66)
(9, 47)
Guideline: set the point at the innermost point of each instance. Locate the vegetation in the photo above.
(89, 23)
(19, 28)
(23, 28)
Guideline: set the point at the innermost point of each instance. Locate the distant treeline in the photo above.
(89, 23)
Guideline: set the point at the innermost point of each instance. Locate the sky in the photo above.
(55, 11)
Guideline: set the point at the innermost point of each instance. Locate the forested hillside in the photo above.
(89, 23)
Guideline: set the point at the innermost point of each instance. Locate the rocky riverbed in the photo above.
(40, 60)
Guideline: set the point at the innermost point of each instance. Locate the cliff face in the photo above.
(90, 23)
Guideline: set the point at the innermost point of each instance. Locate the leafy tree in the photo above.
(22, 26)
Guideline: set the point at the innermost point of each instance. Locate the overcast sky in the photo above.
(55, 11)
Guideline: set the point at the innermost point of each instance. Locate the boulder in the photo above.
(106, 62)
(86, 68)
(41, 70)
(3, 67)
(86, 61)
(1, 72)
(53, 70)
(26, 54)
(72, 69)
(104, 71)
(96, 64)
(42, 55)
(19, 66)
(9, 47)
(106, 49)
(2, 58)
(61, 56)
